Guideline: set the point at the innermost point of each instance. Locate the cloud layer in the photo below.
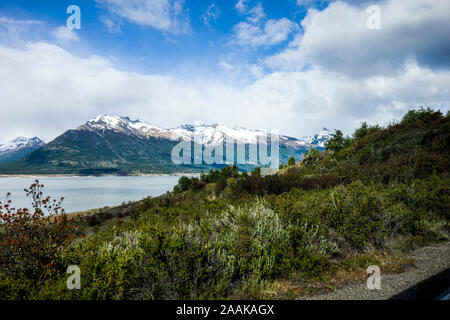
(338, 39)
(164, 15)
(335, 73)
(257, 30)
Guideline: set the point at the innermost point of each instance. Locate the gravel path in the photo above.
(429, 277)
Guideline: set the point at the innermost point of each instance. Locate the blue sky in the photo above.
(145, 48)
(291, 65)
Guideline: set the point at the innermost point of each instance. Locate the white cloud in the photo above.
(15, 26)
(241, 6)
(112, 25)
(64, 35)
(271, 33)
(337, 38)
(13, 31)
(211, 14)
(63, 91)
(317, 96)
(258, 31)
(225, 65)
(164, 15)
(335, 74)
(312, 3)
(256, 14)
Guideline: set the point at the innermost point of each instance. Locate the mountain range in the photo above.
(19, 147)
(118, 145)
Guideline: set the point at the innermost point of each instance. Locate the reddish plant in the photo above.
(31, 240)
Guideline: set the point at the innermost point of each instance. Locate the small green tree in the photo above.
(364, 130)
(220, 186)
(213, 176)
(234, 171)
(338, 142)
(256, 172)
(225, 172)
(184, 184)
(291, 161)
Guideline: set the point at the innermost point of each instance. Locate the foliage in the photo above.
(291, 161)
(227, 234)
(337, 142)
(364, 130)
(414, 115)
(30, 241)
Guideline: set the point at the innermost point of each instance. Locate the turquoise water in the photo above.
(84, 193)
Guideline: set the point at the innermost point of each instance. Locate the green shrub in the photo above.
(31, 240)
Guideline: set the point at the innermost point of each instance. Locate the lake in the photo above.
(84, 193)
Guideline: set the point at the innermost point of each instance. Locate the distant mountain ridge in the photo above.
(118, 145)
(19, 147)
(212, 134)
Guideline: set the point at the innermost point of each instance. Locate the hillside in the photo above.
(87, 152)
(415, 148)
(368, 199)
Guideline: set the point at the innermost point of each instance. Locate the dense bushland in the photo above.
(229, 234)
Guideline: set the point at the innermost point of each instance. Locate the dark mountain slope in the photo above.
(92, 152)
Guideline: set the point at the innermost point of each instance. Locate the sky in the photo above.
(291, 65)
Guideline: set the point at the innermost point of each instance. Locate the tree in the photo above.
(184, 183)
(196, 184)
(220, 186)
(413, 115)
(256, 172)
(225, 172)
(364, 130)
(291, 161)
(338, 142)
(312, 156)
(234, 171)
(213, 176)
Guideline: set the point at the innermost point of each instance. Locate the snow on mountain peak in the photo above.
(126, 125)
(320, 139)
(211, 134)
(214, 134)
(20, 143)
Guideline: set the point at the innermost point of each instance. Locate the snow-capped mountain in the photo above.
(215, 134)
(119, 145)
(18, 147)
(320, 139)
(211, 134)
(127, 126)
(20, 143)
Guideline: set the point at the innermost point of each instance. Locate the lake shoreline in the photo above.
(83, 193)
(176, 174)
